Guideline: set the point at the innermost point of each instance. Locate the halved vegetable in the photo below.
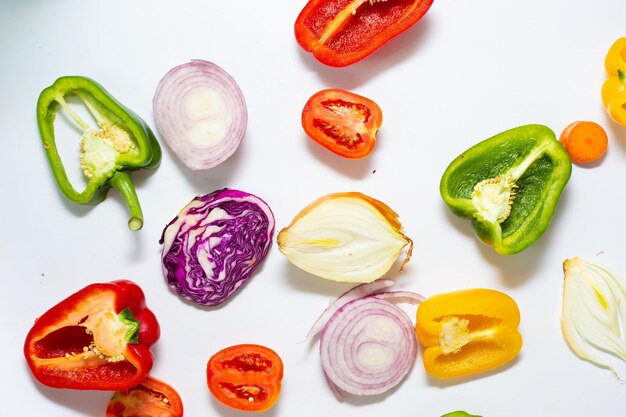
(468, 331)
(342, 122)
(346, 237)
(245, 377)
(594, 312)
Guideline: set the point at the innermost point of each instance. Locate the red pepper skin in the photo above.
(149, 330)
(54, 345)
(358, 35)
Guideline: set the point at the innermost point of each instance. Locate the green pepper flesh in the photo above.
(536, 168)
(121, 142)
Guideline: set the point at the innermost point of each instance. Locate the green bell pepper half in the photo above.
(122, 142)
(509, 186)
(459, 414)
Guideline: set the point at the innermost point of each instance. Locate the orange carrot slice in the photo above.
(584, 141)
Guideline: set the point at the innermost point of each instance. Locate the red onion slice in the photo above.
(359, 291)
(368, 346)
(400, 296)
(201, 113)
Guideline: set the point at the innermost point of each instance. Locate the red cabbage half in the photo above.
(215, 243)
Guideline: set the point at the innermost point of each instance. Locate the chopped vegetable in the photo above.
(469, 331)
(584, 141)
(122, 142)
(594, 312)
(459, 414)
(245, 377)
(347, 237)
(509, 185)
(214, 245)
(96, 339)
(151, 398)
(342, 32)
(367, 343)
(614, 88)
(342, 122)
(201, 113)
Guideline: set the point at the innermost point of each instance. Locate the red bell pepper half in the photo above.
(96, 339)
(341, 32)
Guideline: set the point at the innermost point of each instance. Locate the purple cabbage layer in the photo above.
(214, 245)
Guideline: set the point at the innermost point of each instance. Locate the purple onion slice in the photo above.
(214, 245)
(359, 291)
(201, 113)
(368, 347)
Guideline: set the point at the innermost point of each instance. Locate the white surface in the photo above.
(469, 70)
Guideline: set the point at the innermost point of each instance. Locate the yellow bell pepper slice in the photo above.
(468, 331)
(614, 88)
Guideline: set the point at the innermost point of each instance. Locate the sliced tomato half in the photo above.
(245, 377)
(152, 398)
(342, 122)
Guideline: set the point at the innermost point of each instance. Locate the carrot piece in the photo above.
(584, 141)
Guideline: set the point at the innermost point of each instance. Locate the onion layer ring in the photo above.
(368, 347)
(201, 113)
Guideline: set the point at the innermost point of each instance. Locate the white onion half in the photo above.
(594, 312)
(201, 113)
(345, 237)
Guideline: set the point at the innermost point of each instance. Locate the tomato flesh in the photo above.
(342, 122)
(245, 377)
(250, 393)
(151, 398)
(348, 140)
(248, 362)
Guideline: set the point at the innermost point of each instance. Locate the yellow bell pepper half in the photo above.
(614, 88)
(469, 331)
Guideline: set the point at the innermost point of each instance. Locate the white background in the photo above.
(468, 70)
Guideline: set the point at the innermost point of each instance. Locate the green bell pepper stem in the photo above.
(122, 181)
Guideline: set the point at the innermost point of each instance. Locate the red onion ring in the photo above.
(359, 291)
(368, 347)
(201, 113)
(400, 296)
